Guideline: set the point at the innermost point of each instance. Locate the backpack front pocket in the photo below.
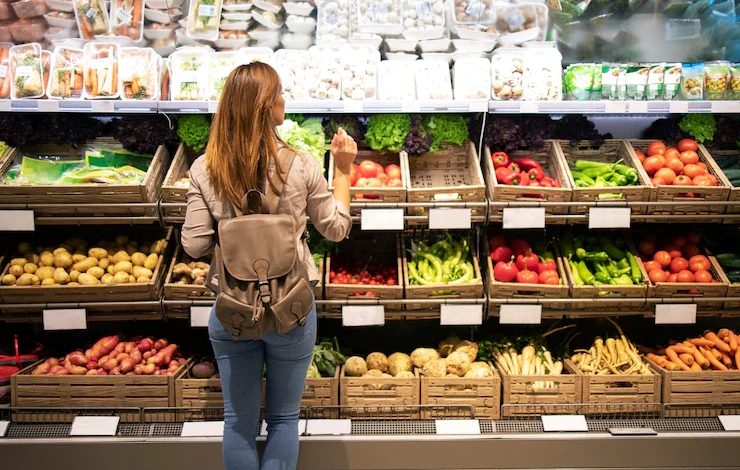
(236, 317)
(294, 307)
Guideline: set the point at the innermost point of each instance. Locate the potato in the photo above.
(138, 259)
(77, 257)
(96, 271)
(122, 240)
(151, 261)
(30, 268)
(83, 266)
(16, 270)
(124, 266)
(44, 272)
(46, 259)
(32, 258)
(18, 262)
(131, 249)
(87, 279)
(104, 263)
(73, 284)
(9, 280)
(25, 280)
(109, 270)
(157, 246)
(59, 250)
(106, 279)
(143, 280)
(139, 272)
(48, 282)
(131, 279)
(121, 277)
(98, 253)
(24, 247)
(61, 276)
(121, 256)
(73, 275)
(63, 260)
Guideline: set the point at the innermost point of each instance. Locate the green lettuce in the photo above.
(447, 130)
(307, 137)
(387, 132)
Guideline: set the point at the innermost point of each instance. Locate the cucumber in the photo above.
(732, 174)
(728, 163)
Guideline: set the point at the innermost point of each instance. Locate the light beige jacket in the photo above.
(305, 192)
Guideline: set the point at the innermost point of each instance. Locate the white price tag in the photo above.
(94, 426)
(725, 106)
(199, 316)
(609, 217)
(459, 314)
(207, 10)
(449, 219)
(675, 314)
(5, 106)
(4, 428)
(632, 432)
(98, 64)
(457, 427)
(212, 107)
(412, 106)
(478, 106)
(102, 106)
(48, 106)
(614, 107)
(381, 219)
(363, 315)
(23, 71)
(352, 106)
(730, 422)
(529, 107)
(3, 71)
(124, 16)
(520, 314)
(301, 427)
(65, 319)
(678, 107)
(203, 429)
(328, 427)
(524, 217)
(17, 221)
(564, 423)
(638, 107)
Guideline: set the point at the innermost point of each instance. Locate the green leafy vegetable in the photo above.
(307, 137)
(194, 131)
(447, 130)
(319, 246)
(325, 359)
(387, 132)
(700, 126)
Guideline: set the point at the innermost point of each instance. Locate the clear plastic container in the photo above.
(6, 33)
(734, 92)
(162, 16)
(236, 5)
(30, 8)
(27, 71)
(203, 19)
(231, 39)
(379, 16)
(189, 74)
(268, 19)
(66, 74)
(126, 18)
(299, 41)
(61, 5)
(435, 45)
(164, 80)
(507, 74)
(298, 8)
(221, 65)
(444, 56)
(543, 75)
(469, 45)
(401, 45)
(28, 30)
(158, 31)
(470, 82)
(55, 33)
(273, 6)
(139, 72)
(325, 64)
(396, 80)
(233, 25)
(62, 19)
(6, 11)
(236, 15)
(359, 73)
(163, 4)
(423, 19)
(292, 67)
(716, 78)
(300, 24)
(400, 56)
(433, 80)
(247, 55)
(92, 18)
(517, 24)
(164, 47)
(473, 19)
(332, 21)
(101, 68)
(5, 75)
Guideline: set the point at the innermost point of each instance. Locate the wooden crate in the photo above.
(375, 396)
(483, 394)
(370, 195)
(733, 289)
(676, 194)
(452, 175)
(174, 291)
(362, 248)
(610, 151)
(718, 156)
(183, 160)
(526, 401)
(607, 291)
(700, 289)
(623, 393)
(552, 164)
(115, 196)
(471, 290)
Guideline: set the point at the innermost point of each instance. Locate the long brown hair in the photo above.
(243, 135)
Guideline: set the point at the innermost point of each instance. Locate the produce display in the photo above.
(189, 271)
(675, 259)
(453, 358)
(617, 356)
(678, 165)
(447, 261)
(515, 261)
(306, 136)
(369, 174)
(139, 73)
(363, 274)
(127, 19)
(27, 71)
(524, 171)
(66, 73)
(596, 260)
(710, 351)
(588, 174)
(112, 356)
(92, 18)
(527, 358)
(101, 70)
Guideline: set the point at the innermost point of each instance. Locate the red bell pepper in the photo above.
(545, 265)
(550, 181)
(514, 167)
(500, 160)
(507, 176)
(545, 184)
(527, 163)
(524, 179)
(535, 174)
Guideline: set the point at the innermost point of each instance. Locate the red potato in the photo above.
(129, 346)
(164, 356)
(61, 371)
(113, 354)
(147, 355)
(139, 369)
(182, 361)
(174, 362)
(122, 356)
(116, 371)
(92, 372)
(103, 359)
(52, 361)
(120, 347)
(91, 365)
(161, 343)
(135, 356)
(110, 364)
(149, 369)
(77, 370)
(54, 369)
(78, 358)
(173, 369)
(129, 373)
(127, 365)
(145, 345)
(42, 369)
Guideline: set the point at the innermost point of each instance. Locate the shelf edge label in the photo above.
(203, 429)
(301, 427)
(609, 217)
(564, 423)
(4, 428)
(478, 106)
(449, 219)
(513, 314)
(675, 314)
(457, 427)
(17, 221)
(363, 315)
(199, 316)
(524, 217)
(381, 219)
(730, 422)
(48, 106)
(329, 427)
(93, 426)
(100, 106)
(678, 107)
(65, 319)
(461, 314)
(351, 106)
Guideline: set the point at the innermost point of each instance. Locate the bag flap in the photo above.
(248, 239)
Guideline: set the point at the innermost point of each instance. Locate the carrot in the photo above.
(727, 360)
(675, 359)
(716, 353)
(94, 81)
(137, 12)
(733, 342)
(737, 359)
(713, 360)
(673, 367)
(718, 343)
(165, 91)
(701, 360)
(114, 79)
(701, 342)
(687, 359)
(696, 367)
(681, 349)
(5, 88)
(723, 333)
(660, 360)
(86, 28)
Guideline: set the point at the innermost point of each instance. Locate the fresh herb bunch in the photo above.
(700, 126)
(194, 131)
(352, 125)
(447, 130)
(325, 359)
(510, 133)
(387, 132)
(143, 134)
(576, 128)
(418, 141)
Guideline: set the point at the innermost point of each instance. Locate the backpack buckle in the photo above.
(302, 321)
(265, 294)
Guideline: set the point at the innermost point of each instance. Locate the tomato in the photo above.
(650, 265)
(682, 180)
(703, 180)
(390, 282)
(547, 266)
(678, 241)
(679, 264)
(703, 276)
(374, 183)
(703, 166)
(663, 258)
(693, 237)
(379, 169)
(549, 277)
(690, 250)
(685, 276)
(656, 148)
(692, 170)
(671, 153)
(647, 247)
(354, 174)
(361, 182)
(673, 278)
(689, 156)
(657, 182)
(699, 262)
(394, 183)
(666, 174)
(368, 169)
(675, 165)
(383, 178)
(527, 277)
(393, 171)
(713, 179)
(658, 275)
(502, 253)
(652, 164)
(640, 155)
(687, 144)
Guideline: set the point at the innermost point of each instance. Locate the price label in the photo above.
(449, 219)
(102, 106)
(381, 219)
(459, 314)
(564, 423)
(730, 422)
(5, 106)
(203, 429)
(352, 106)
(457, 427)
(301, 427)
(675, 314)
(638, 107)
(478, 106)
(17, 221)
(94, 426)
(206, 10)
(520, 314)
(524, 217)
(65, 319)
(23, 71)
(98, 64)
(614, 107)
(3, 71)
(609, 217)
(199, 316)
(725, 107)
(363, 315)
(328, 427)
(48, 106)
(632, 432)
(124, 16)
(4, 428)
(212, 107)
(678, 107)
(410, 106)
(529, 107)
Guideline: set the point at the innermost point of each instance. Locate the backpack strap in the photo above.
(285, 158)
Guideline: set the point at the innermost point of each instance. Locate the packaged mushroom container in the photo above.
(298, 8)
(359, 73)
(507, 74)
(332, 21)
(433, 80)
(327, 62)
(423, 19)
(543, 75)
(517, 24)
(268, 19)
(396, 80)
(470, 83)
(379, 16)
(473, 19)
(312, 74)
(300, 24)
(247, 55)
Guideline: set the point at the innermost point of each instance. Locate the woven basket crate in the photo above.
(676, 194)
(700, 289)
(552, 164)
(114, 196)
(526, 400)
(452, 175)
(718, 156)
(174, 291)
(183, 160)
(370, 195)
(372, 397)
(610, 151)
(92, 293)
(483, 394)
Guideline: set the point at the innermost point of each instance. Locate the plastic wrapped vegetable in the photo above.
(66, 73)
(5, 75)
(578, 81)
(140, 73)
(221, 65)
(101, 70)
(27, 71)
(203, 20)
(126, 18)
(92, 18)
(189, 75)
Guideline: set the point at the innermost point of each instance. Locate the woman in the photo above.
(241, 155)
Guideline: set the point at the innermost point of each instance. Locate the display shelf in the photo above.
(82, 106)
(85, 214)
(614, 107)
(94, 311)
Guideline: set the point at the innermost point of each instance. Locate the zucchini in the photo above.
(728, 163)
(732, 174)
(725, 258)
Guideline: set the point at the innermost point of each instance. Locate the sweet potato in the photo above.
(164, 356)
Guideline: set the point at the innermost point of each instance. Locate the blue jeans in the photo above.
(240, 362)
